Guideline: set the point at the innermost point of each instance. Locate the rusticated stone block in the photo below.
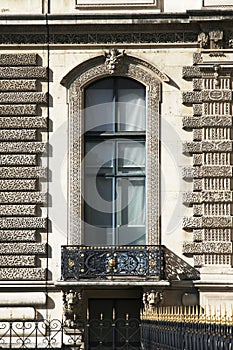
(23, 72)
(198, 260)
(18, 85)
(18, 59)
(23, 248)
(21, 222)
(207, 222)
(22, 147)
(208, 197)
(207, 248)
(197, 109)
(207, 146)
(23, 197)
(17, 260)
(197, 84)
(197, 134)
(212, 171)
(23, 97)
(15, 159)
(18, 185)
(190, 97)
(22, 274)
(198, 209)
(197, 159)
(197, 184)
(187, 172)
(198, 235)
(17, 236)
(15, 134)
(23, 122)
(190, 72)
(22, 172)
(17, 210)
(197, 58)
(18, 109)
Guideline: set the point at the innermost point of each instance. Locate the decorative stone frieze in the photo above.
(23, 97)
(22, 274)
(14, 134)
(23, 197)
(18, 185)
(17, 210)
(24, 223)
(15, 159)
(190, 97)
(24, 122)
(22, 172)
(17, 236)
(206, 146)
(18, 85)
(207, 121)
(212, 171)
(207, 247)
(22, 147)
(23, 72)
(207, 222)
(208, 196)
(19, 59)
(27, 109)
(17, 260)
(23, 248)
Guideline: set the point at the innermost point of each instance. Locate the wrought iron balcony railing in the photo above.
(86, 262)
(151, 261)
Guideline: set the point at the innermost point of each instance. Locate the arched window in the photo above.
(114, 162)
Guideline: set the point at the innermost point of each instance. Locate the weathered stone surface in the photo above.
(198, 210)
(22, 274)
(18, 59)
(17, 260)
(190, 72)
(22, 147)
(197, 109)
(197, 159)
(23, 72)
(197, 184)
(198, 235)
(22, 97)
(207, 222)
(22, 172)
(190, 97)
(207, 121)
(14, 134)
(24, 122)
(207, 146)
(17, 236)
(18, 85)
(23, 197)
(208, 197)
(207, 247)
(17, 210)
(23, 248)
(197, 134)
(16, 159)
(27, 109)
(187, 172)
(197, 84)
(21, 222)
(18, 185)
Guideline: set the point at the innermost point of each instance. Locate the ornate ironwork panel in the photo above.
(86, 262)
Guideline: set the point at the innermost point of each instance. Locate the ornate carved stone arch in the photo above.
(76, 81)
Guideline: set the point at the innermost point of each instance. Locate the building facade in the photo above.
(115, 162)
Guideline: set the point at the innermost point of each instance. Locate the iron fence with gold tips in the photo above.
(187, 328)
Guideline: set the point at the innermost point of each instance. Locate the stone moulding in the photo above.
(76, 81)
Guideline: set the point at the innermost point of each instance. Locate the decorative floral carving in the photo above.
(202, 39)
(114, 60)
(216, 39)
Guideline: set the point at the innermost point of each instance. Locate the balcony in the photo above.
(138, 262)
